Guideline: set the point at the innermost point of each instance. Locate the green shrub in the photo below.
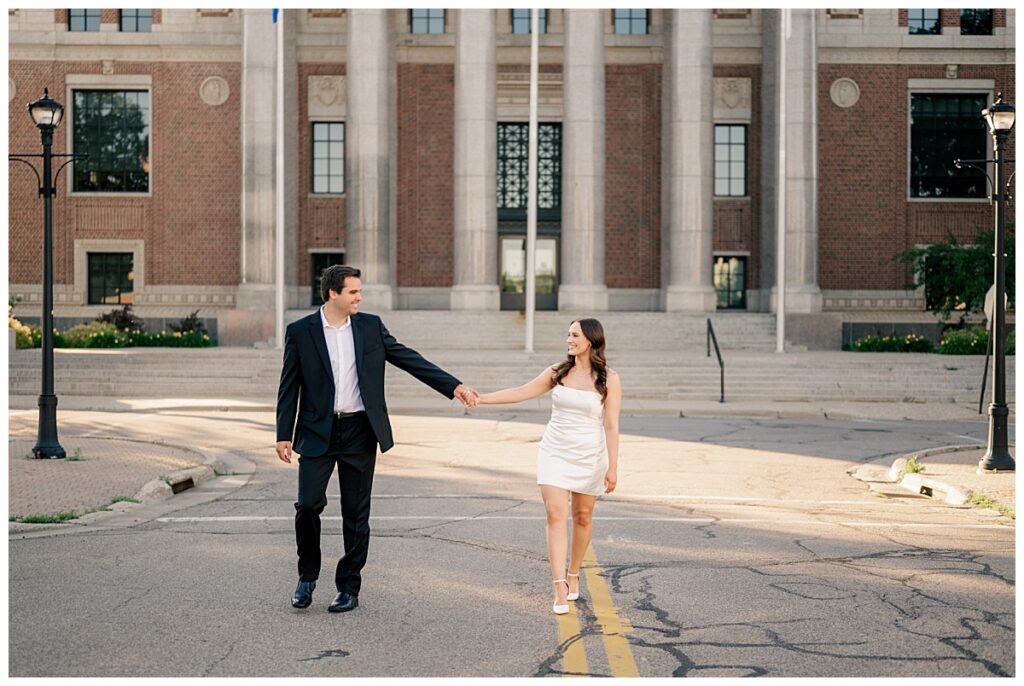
(123, 319)
(911, 343)
(29, 336)
(82, 335)
(972, 341)
(189, 324)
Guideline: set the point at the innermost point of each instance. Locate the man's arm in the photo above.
(288, 397)
(410, 361)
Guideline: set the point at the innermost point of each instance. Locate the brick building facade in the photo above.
(677, 213)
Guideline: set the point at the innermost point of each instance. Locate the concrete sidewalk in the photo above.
(100, 469)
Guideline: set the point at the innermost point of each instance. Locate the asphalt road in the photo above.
(733, 547)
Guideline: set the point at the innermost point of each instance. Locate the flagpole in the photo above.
(780, 264)
(531, 201)
(279, 184)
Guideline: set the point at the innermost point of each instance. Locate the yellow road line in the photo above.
(613, 629)
(574, 658)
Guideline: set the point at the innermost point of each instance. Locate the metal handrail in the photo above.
(711, 337)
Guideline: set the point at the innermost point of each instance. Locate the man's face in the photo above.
(347, 302)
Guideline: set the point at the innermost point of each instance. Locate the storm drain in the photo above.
(182, 485)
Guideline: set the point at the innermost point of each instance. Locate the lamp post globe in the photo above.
(1000, 119)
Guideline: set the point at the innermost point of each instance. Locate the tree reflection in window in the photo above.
(945, 127)
(112, 127)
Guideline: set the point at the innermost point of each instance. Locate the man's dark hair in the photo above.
(333, 279)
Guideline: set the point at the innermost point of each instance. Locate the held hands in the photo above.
(610, 479)
(284, 451)
(467, 396)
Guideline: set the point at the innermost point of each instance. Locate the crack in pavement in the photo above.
(325, 654)
(216, 662)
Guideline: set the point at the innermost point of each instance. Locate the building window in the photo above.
(521, 21)
(923, 22)
(110, 278)
(630, 21)
(427, 21)
(112, 127)
(945, 127)
(730, 160)
(731, 282)
(83, 20)
(976, 22)
(321, 261)
(329, 157)
(513, 158)
(137, 21)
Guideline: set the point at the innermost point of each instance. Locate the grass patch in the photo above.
(911, 467)
(48, 519)
(124, 499)
(979, 500)
(75, 456)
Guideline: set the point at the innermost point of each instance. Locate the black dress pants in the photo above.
(353, 449)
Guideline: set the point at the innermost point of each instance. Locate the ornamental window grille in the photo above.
(945, 127)
(136, 21)
(730, 274)
(426, 21)
(730, 160)
(112, 127)
(923, 22)
(321, 261)
(513, 161)
(110, 278)
(630, 21)
(521, 21)
(976, 22)
(83, 20)
(329, 157)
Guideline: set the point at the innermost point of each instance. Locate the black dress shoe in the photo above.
(344, 602)
(303, 594)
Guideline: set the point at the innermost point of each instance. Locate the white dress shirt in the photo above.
(342, 350)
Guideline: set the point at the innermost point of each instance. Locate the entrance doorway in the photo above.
(513, 273)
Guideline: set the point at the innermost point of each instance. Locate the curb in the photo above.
(929, 486)
(184, 479)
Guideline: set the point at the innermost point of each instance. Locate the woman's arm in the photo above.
(536, 388)
(612, 404)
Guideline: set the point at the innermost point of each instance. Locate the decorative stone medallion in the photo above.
(845, 92)
(732, 98)
(952, 71)
(214, 91)
(326, 96)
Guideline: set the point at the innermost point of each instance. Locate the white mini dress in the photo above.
(572, 453)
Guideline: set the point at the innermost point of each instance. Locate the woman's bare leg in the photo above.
(556, 504)
(582, 530)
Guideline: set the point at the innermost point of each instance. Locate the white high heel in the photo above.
(571, 595)
(560, 609)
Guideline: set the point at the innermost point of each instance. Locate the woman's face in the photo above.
(576, 342)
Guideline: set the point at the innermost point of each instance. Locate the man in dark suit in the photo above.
(333, 378)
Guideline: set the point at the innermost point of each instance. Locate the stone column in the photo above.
(582, 260)
(690, 98)
(369, 221)
(259, 79)
(769, 154)
(476, 216)
(802, 292)
(252, 320)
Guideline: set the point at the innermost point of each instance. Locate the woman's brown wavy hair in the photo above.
(594, 332)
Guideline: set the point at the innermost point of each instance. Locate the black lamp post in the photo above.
(47, 113)
(1000, 119)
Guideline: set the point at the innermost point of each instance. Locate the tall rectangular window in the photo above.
(136, 21)
(923, 22)
(83, 20)
(945, 127)
(521, 21)
(630, 21)
(329, 157)
(427, 21)
(112, 127)
(730, 160)
(110, 278)
(976, 22)
(512, 174)
(730, 275)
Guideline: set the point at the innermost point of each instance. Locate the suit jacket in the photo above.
(307, 381)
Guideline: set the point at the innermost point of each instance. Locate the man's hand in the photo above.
(468, 396)
(284, 451)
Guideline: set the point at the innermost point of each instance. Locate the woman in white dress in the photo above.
(579, 453)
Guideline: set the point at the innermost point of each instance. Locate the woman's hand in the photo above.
(610, 479)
